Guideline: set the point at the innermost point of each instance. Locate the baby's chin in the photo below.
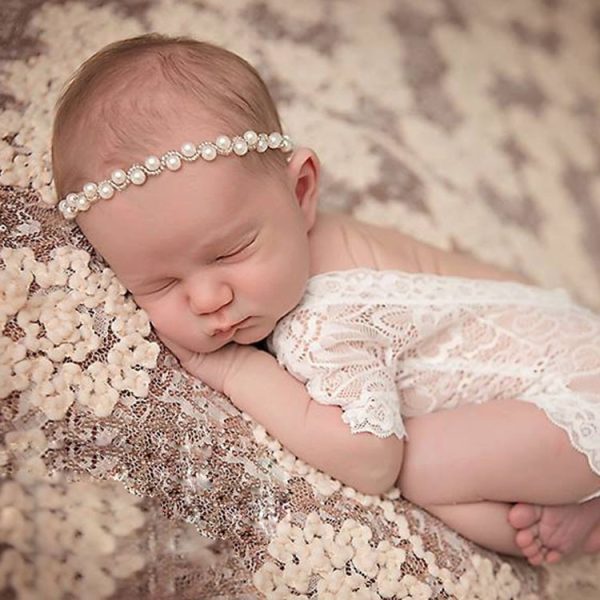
(258, 329)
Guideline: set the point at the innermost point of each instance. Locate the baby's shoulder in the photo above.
(340, 242)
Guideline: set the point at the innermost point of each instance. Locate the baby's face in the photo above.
(213, 252)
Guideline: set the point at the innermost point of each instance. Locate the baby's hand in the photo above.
(214, 368)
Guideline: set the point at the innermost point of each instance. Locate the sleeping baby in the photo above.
(377, 358)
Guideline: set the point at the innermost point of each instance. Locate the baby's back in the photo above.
(340, 242)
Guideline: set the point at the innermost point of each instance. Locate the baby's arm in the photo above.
(258, 385)
(314, 432)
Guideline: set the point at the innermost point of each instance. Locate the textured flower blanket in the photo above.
(471, 125)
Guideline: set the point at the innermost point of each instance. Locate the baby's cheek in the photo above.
(158, 327)
(159, 315)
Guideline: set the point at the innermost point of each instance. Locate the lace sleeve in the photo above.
(348, 364)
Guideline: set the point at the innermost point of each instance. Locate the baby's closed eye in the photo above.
(237, 251)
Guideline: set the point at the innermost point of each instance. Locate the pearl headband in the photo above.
(137, 174)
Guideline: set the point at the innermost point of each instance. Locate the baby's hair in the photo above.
(117, 106)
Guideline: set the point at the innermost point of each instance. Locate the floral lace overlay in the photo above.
(387, 344)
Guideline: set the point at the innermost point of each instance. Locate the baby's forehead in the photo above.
(204, 196)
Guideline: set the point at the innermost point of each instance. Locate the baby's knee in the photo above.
(386, 467)
(395, 461)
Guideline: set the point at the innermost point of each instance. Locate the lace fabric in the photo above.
(388, 344)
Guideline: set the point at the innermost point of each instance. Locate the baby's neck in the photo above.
(331, 246)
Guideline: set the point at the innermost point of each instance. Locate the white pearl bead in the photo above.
(105, 190)
(251, 137)
(286, 144)
(240, 147)
(188, 149)
(118, 176)
(137, 176)
(274, 140)
(62, 206)
(173, 162)
(152, 163)
(223, 143)
(90, 189)
(208, 153)
(71, 199)
(262, 144)
(82, 203)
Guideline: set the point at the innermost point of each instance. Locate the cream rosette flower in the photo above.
(61, 323)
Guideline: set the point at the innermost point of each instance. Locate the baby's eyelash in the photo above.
(164, 287)
(236, 251)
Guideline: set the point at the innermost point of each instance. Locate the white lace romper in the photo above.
(388, 344)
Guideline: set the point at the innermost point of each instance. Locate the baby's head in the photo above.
(205, 245)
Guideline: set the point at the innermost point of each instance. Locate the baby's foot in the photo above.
(547, 533)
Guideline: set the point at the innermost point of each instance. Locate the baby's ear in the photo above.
(304, 170)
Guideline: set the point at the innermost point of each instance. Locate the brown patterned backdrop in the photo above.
(471, 125)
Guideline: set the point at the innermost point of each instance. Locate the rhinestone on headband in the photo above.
(137, 174)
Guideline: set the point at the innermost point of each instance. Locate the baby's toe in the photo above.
(553, 556)
(521, 516)
(538, 558)
(525, 537)
(532, 549)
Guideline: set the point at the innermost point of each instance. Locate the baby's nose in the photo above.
(206, 298)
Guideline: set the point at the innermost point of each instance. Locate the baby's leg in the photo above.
(502, 450)
(459, 463)
(485, 523)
